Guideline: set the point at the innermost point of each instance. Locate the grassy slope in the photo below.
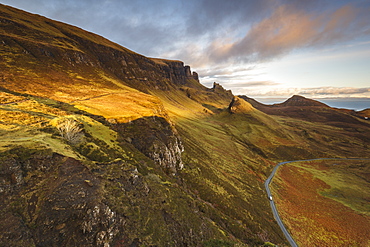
(45, 54)
(229, 191)
(28, 130)
(227, 156)
(333, 210)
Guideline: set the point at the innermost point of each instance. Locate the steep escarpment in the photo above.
(47, 50)
(120, 182)
(155, 138)
(103, 189)
(101, 146)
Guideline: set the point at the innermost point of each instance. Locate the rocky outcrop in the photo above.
(238, 105)
(55, 201)
(217, 88)
(157, 139)
(190, 75)
(167, 153)
(176, 72)
(11, 175)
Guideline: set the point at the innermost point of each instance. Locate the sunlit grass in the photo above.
(348, 183)
(227, 156)
(123, 107)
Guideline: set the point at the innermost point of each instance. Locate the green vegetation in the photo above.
(92, 136)
(348, 182)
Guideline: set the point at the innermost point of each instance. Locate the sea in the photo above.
(356, 104)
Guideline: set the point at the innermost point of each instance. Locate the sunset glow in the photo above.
(269, 48)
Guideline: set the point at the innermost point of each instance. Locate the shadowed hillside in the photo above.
(310, 110)
(101, 146)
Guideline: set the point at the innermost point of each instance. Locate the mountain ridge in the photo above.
(309, 109)
(297, 100)
(152, 157)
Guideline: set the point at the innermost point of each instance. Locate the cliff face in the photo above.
(155, 138)
(49, 199)
(56, 49)
(117, 186)
(85, 63)
(160, 160)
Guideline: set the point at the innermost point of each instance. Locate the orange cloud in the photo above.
(312, 92)
(287, 29)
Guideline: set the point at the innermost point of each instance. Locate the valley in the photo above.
(101, 146)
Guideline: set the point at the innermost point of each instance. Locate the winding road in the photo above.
(272, 204)
(273, 207)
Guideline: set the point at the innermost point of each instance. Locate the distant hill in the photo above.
(365, 113)
(310, 110)
(101, 146)
(298, 100)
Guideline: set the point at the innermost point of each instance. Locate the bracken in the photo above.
(69, 130)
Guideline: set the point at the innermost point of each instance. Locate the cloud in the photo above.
(334, 91)
(217, 16)
(235, 77)
(226, 71)
(147, 27)
(221, 40)
(204, 32)
(154, 28)
(310, 92)
(288, 29)
(250, 84)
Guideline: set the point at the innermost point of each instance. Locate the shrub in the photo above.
(70, 130)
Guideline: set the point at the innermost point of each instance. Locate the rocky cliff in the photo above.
(49, 199)
(158, 158)
(55, 49)
(155, 138)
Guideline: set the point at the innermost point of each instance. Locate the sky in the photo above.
(258, 48)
